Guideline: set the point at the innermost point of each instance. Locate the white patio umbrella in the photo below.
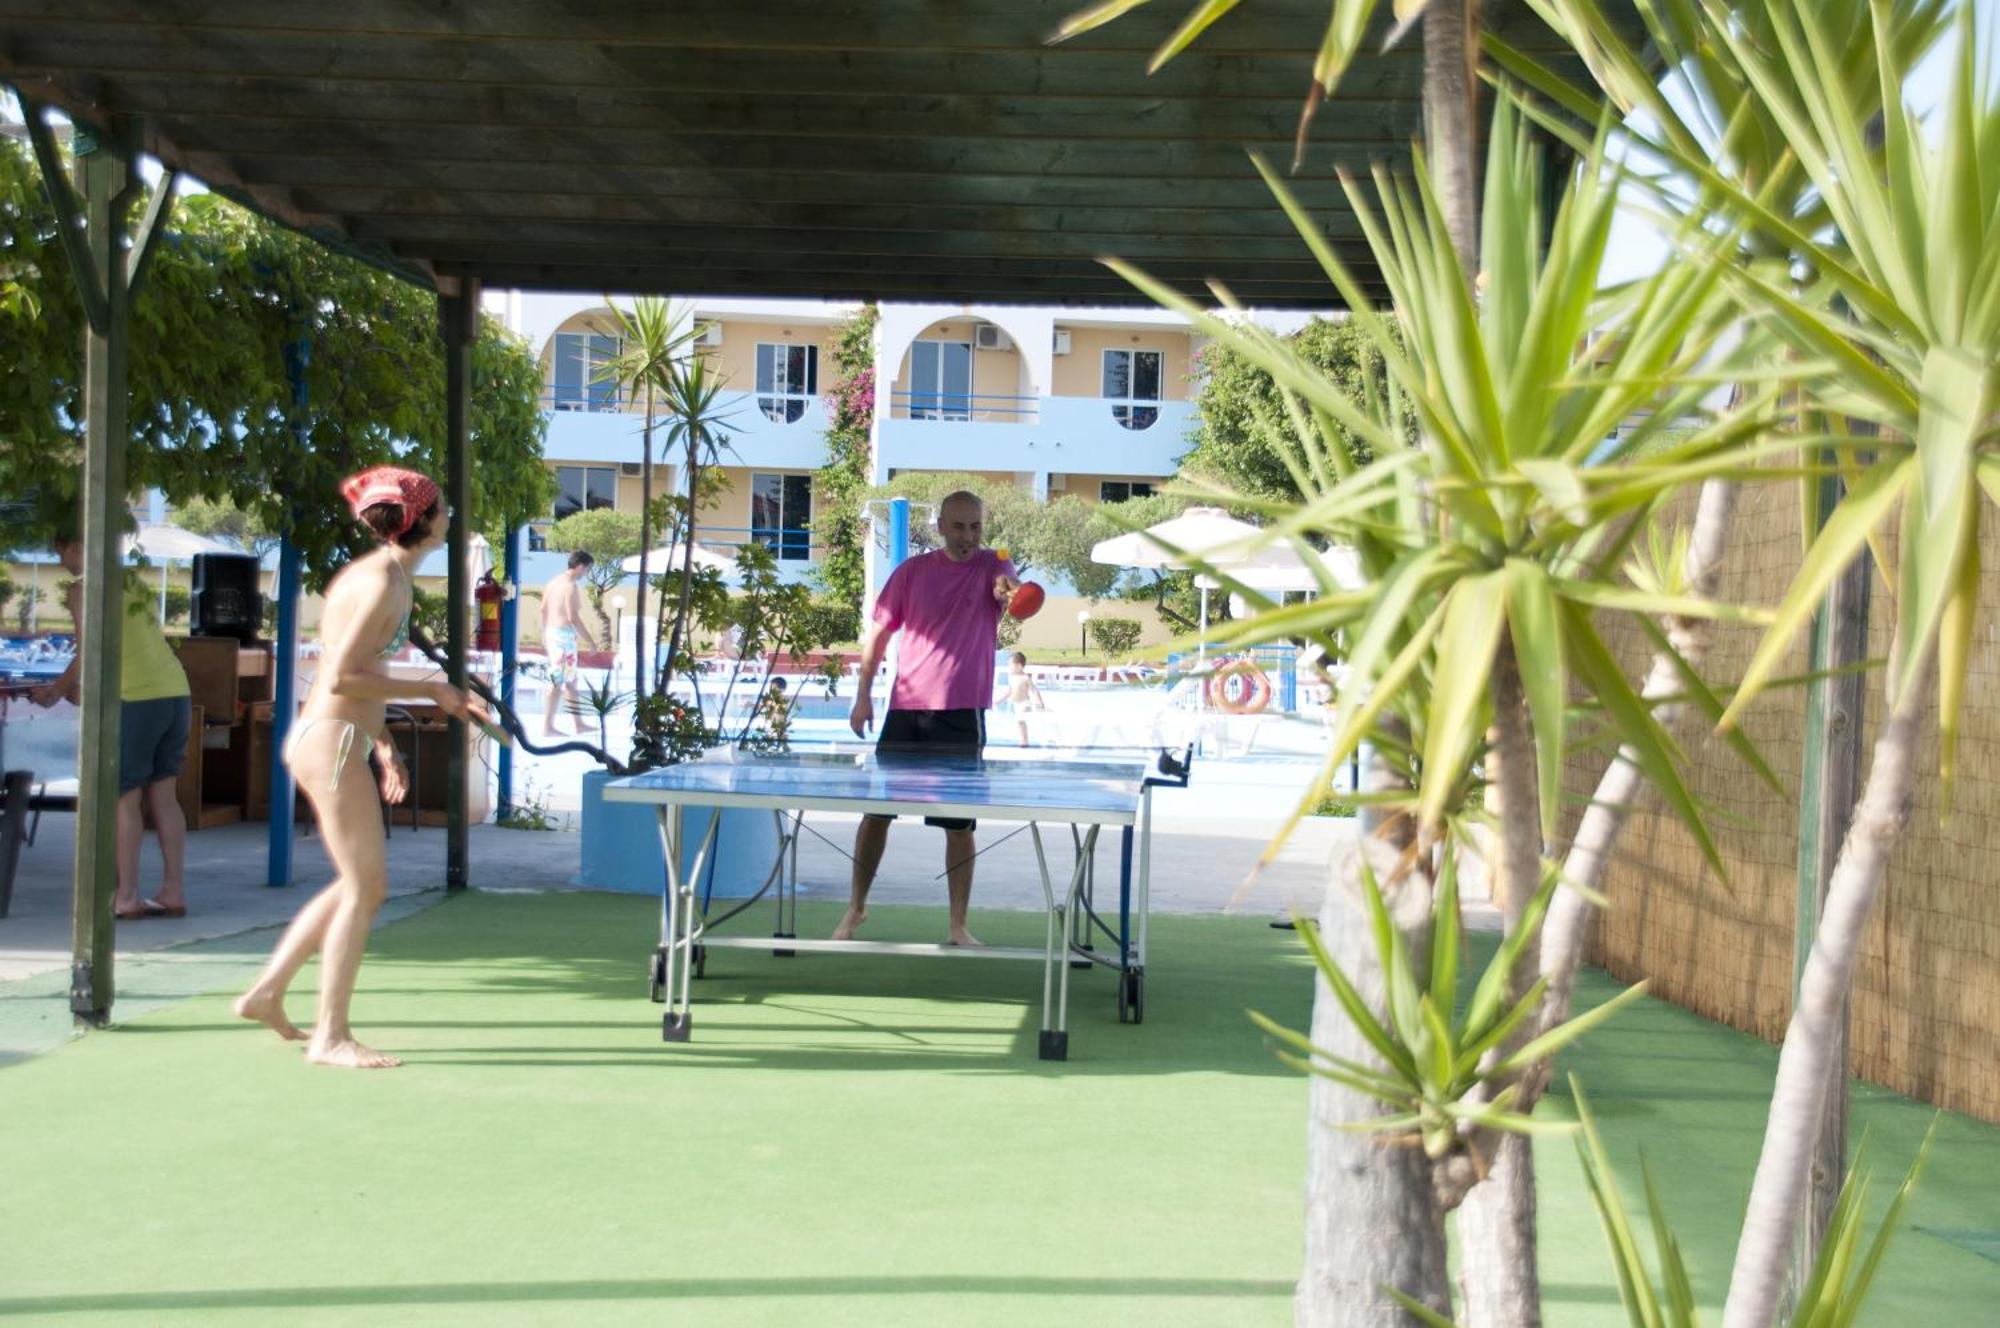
(1205, 534)
(167, 544)
(671, 556)
(1341, 563)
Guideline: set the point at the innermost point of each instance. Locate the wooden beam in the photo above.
(1050, 270)
(108, 190)
(113, 49)
(1056, 152)
(969, 288)
(827, 188)
(70, 220)
(846, 27)
(146, 240)
(1138, 115)
(448, 240)
(387, 209)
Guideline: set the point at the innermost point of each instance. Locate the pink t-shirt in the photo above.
(950, 623)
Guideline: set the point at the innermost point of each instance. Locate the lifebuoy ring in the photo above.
(1239, 688)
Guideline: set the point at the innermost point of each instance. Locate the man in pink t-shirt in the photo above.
(947, 604)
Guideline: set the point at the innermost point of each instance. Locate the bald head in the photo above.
(961, 522)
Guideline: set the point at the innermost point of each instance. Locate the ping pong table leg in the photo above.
(788, 881)
(1080, 917)
(1079, 875)
(678, 1023)
(1054, 1044)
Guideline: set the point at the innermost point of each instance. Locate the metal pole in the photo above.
(284, 694)
(284, 706)
(459, 314)
(899, 532)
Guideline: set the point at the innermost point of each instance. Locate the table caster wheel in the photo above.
(676, 1027)
(1055, 1046)
(1132, 997)
(656, 977)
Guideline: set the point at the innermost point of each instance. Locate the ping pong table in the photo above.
(1024, 786)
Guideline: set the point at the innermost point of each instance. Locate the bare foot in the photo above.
(850, 923)
(960, 936)
(350, 1055)
(270, 1012)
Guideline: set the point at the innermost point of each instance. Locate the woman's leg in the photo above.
(131, 829)
(170, 824)
(351, 819)
(324, 757)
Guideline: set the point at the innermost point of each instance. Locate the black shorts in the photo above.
(933, 731)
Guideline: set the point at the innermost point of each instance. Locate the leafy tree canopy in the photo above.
(234, 312)
(1241, 420)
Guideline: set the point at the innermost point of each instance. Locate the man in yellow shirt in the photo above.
(153, 723)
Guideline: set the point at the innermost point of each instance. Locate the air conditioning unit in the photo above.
(709, 334)
(628, 468)
(988, 337)
(1062, 341)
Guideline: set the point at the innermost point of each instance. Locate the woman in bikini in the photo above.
(366, 621)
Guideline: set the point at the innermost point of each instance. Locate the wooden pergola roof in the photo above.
(897, 149)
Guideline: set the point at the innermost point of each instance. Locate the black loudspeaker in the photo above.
(226, 598)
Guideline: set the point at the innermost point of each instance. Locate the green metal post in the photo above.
(459, 320)
(108, 192)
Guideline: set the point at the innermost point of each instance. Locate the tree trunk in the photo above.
(1565, 928)
(1372, 1218)
(687, 559)
(1829, 789)
(1451, 118)
(1498, 1277)
(645, 547)
(1778, 1194)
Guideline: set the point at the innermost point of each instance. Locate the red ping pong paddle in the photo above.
(1027, 600)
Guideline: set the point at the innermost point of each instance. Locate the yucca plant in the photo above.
(1842, 1275)
(1346, 24)
(1554, 420)
(1905, 303)
(1494, 541)
(1435, 1054)
(1833, 1297)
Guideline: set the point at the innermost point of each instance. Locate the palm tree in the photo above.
(696, 420)
(654, 337)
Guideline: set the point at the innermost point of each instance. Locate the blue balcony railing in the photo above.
(793, 544)
(964, 406)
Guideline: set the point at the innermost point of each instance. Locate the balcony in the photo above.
(1090, 435)
(777, 431)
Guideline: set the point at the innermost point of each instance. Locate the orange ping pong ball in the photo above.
(1000, 551)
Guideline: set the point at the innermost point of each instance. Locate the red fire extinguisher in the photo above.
(487, 595)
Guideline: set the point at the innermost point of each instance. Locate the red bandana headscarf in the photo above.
(390, 484)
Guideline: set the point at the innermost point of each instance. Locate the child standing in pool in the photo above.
(1022, 694)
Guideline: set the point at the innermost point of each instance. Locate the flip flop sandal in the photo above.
(132, 914)
(155, 909)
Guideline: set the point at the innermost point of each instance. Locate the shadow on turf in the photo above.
(654, 1288)
(683, 1289)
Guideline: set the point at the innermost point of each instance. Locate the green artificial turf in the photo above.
(846, 1140)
